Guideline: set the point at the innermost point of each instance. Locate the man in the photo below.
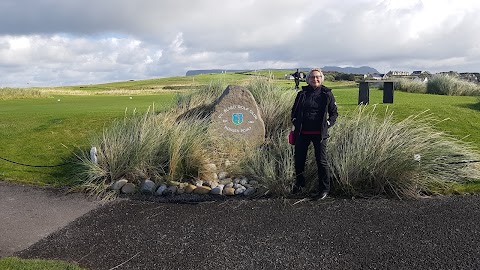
(296, 77)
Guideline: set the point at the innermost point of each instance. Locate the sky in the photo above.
(76, 42)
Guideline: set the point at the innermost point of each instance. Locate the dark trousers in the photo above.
(297, 82)
(301, 148)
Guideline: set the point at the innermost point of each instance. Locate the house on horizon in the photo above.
(421, 73)
(397, 73)
(470, 76)
(449, 73)
(375, 76)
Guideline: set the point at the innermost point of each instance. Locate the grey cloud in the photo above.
(103, 40)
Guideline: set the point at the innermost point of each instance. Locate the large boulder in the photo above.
(236, 115)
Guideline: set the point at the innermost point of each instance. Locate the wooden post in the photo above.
(363, 93)
(388, 92)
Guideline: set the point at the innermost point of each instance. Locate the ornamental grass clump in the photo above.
(451, 86)
(370, 156)
(275, 104)
(272, 164)
(200, 100)
(125, 149)
(149, 146)
(411, 86)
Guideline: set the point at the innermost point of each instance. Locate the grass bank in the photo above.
(13, 263)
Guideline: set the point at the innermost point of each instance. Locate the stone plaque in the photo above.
(236, 114)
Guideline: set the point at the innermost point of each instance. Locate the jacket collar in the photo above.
(322, 88)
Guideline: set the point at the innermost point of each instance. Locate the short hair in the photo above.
(315, 69)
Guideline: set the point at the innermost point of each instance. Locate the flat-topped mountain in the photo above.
(352, 70)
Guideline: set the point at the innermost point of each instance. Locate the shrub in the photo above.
(329, 77)
(369, 156)
(446, 85)
(345, 77)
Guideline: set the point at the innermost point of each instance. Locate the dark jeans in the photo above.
(301, 148)
(297, 82)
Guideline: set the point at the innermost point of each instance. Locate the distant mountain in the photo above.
(353, 70)
(214, 71)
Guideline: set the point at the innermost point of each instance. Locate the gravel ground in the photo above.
(434, 233)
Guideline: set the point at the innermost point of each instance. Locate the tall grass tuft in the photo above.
(447, 85)
(19, 93)
(369, 156)
(198, 98)
(147, 146)
(188, 145)
(275, 104)
(411, 86)
(272, 164)
(126, 149)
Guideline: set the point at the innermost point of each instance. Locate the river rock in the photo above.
(128, 188)
(119, 184)
(171, 190)
(202, 190)
(237, 186)
(240, 190)
(218, 190)
(208, 172)
(161, 189)
(229, 191)
(148, 186)
(190, 188)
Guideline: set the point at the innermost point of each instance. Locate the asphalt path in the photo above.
(29, 213)
(430, 233)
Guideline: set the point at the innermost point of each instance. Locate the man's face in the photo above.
(315, 79)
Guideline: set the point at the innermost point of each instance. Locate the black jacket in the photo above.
(314, 110)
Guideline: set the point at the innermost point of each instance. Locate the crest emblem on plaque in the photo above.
(237, 118)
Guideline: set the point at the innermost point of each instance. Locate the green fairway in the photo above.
(44, 131)
(47, 130)
(461, 113)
